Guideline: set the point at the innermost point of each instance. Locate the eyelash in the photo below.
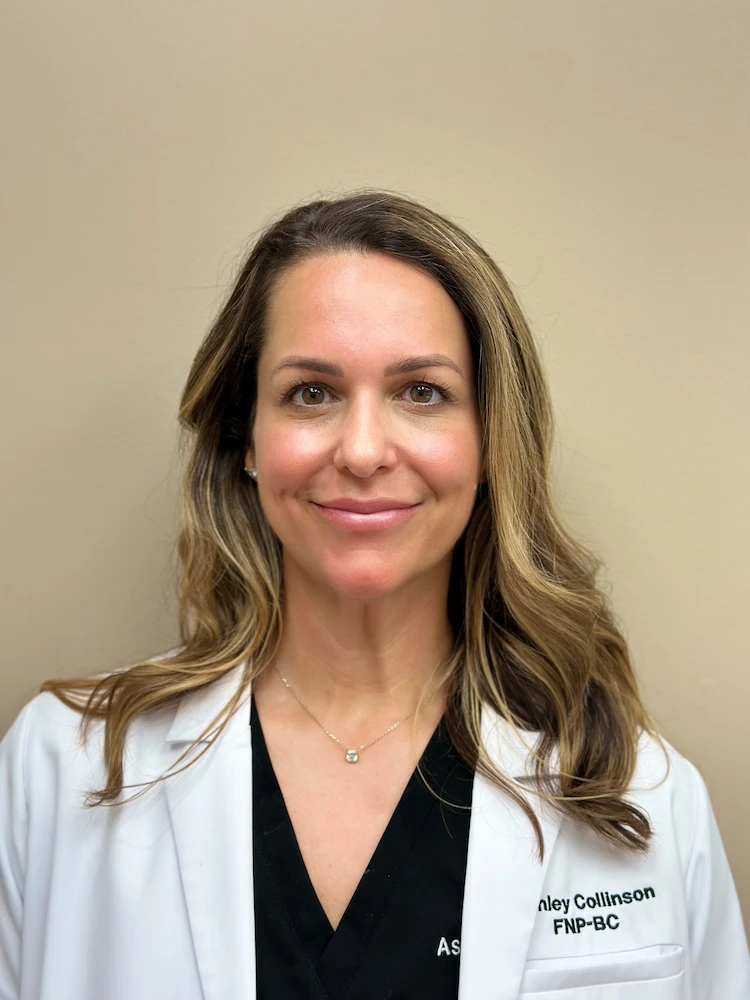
(434, 384)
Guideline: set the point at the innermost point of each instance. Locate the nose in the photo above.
(365, 441)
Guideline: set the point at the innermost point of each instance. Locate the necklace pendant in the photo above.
(352, 756)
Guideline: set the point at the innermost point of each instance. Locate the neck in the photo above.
(358, 660)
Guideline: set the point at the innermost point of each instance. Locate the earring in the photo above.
(252, 472)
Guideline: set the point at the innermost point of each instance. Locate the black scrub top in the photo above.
(400, 935)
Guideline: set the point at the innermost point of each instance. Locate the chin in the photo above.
(367, 586)
(363, 581)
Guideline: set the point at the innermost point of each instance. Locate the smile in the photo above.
(375, 521)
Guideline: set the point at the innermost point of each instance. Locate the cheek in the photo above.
(289, 455)
(449, 461)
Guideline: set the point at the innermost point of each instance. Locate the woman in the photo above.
(400, 751)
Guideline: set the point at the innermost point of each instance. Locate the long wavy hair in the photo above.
(535, 635)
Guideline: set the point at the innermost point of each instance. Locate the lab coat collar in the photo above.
(504, 877)
(196, 710)
(210, 807)
(210, 804)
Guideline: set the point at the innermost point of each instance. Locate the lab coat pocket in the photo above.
(653, 973)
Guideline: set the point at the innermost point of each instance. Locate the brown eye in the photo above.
(311, 391)
(422, 393)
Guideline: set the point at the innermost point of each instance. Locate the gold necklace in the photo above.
(351, 754)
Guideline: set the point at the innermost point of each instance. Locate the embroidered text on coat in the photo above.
(596, 901)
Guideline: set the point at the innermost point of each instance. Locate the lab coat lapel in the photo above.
(504, 877)
(210, 807)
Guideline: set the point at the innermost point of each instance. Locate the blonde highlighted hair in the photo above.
(535, 636)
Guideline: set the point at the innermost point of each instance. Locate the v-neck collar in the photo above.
(335, 956)
(209, 799)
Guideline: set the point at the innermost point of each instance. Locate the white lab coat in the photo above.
(154, 901)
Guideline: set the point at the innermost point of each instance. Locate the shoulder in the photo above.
(44, 752)
(45, 726)
(665, 784)
(664, 778)
(42, 766)
(659, 770)
(670, 790)
(45, 743)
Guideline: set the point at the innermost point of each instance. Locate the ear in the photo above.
(250, 457)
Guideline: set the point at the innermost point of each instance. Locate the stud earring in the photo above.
(252, 472)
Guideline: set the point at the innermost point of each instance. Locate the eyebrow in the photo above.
(401, 367)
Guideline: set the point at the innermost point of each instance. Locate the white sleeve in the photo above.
(13, 842)
(718, 945)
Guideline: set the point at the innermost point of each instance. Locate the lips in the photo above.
(373, 506)
(365, 516)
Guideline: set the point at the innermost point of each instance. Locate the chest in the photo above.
(409, 889)
(338, 811)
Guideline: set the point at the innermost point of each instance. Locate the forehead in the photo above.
(362, 302)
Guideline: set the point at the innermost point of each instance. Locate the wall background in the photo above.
(599, 149)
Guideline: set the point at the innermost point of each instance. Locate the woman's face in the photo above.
(366, 394)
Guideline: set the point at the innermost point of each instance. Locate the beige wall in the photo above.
(601, 150)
